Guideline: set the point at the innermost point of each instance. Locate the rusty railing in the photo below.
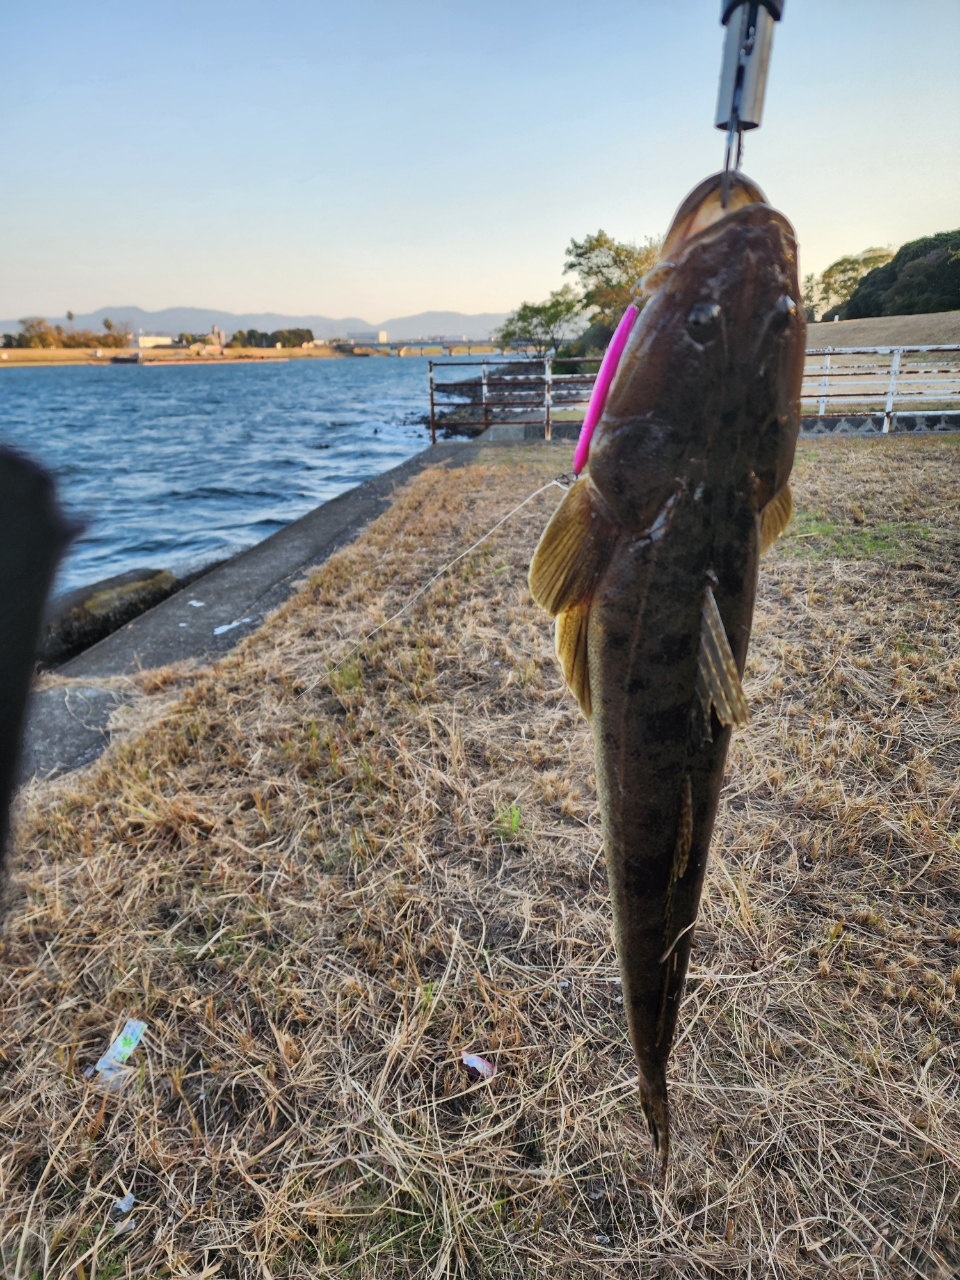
(519, 392)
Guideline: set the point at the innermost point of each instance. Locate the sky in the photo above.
(376, 159)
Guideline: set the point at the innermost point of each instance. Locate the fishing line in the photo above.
(563, 481)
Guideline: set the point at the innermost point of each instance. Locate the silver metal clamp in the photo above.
(743, 71)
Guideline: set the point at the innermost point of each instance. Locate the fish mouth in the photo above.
(703, 215)
(704, 207)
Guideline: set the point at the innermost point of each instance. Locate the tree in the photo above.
(539, 327)
(810, 296)
(70, 316)
(35, 332)
(285, 338)
(923, 276)
(116, 335)
(608, 269)
(291, 337)
(830, 291)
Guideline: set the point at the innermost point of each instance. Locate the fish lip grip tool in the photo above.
(743, 70)
(743, 82)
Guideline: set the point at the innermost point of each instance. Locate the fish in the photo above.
(34, 533)
(649, 566)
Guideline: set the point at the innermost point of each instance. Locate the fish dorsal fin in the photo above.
(572, 652)
(775, 518)
(573, 550)
(718, 681)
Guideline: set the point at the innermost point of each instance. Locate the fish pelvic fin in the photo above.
(775, 518)
(572, 652)
(718, 681)
(656, 1109)
(573, 552)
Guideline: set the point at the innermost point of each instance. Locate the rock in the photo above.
(80, 618)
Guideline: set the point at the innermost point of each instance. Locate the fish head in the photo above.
(708, 385)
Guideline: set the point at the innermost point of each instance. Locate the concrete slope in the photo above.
(67, 725)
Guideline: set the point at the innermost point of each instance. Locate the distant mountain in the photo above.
(448, 323)
(200, 320)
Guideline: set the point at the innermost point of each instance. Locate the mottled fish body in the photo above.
(650, 566)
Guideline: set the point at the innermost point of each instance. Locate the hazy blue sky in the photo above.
(379, 159)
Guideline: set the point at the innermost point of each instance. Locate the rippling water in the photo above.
(175, 467)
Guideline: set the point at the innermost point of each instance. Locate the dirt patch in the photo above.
(320, 888)
(941, 328)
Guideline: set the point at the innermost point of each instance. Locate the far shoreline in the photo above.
(939, 328)
(154, 357)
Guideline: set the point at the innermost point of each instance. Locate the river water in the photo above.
(174, 467)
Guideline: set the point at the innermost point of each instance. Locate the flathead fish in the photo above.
(649, 566)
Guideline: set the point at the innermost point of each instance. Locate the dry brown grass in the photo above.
(319, 891)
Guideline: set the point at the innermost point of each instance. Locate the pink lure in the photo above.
(608, 367)
(473, 1062)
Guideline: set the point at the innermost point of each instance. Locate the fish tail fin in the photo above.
(656, 1109)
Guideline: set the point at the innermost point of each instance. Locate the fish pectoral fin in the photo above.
(775, 518)
(718, 681)
(572, 652)
(573, 551)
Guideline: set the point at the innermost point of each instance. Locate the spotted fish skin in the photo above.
(651, 571)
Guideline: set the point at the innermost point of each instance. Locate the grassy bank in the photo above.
(319, 890)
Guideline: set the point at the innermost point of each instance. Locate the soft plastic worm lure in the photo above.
(608, 368)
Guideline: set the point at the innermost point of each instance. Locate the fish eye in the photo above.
(703, 322)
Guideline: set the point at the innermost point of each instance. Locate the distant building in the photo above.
(154, 340)
(369, 336)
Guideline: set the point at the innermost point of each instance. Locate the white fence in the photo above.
(548, 393)
(923, 377)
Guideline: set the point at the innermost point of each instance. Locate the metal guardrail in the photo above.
(832, 377)
(838, 379)
(528, 397)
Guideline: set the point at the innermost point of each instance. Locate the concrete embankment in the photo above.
(70, 712)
